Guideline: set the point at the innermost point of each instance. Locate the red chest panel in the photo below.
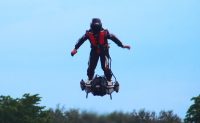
(100, 41)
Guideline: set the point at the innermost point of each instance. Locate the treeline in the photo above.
(142, 116)
(27, 110)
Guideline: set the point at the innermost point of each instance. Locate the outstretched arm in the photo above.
(78, 44)
(127, 47)
(117, 41)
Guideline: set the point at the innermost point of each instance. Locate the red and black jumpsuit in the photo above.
(99, 49)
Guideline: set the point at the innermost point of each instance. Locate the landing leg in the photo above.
(86, 95)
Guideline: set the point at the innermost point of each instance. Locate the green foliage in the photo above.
(193, 113)
(168, 117)
(142, 116)
(24, 110)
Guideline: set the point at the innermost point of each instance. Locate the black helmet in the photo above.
(96, 25)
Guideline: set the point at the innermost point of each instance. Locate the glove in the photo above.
(127, 46)
(74, 51)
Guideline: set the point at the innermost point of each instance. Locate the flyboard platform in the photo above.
(100, 87)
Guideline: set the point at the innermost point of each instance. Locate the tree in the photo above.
(193, 113)
(27, 110)
(24, 110)
(168, 117)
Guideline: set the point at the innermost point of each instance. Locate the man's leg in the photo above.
(105, 66)
(93, 60)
